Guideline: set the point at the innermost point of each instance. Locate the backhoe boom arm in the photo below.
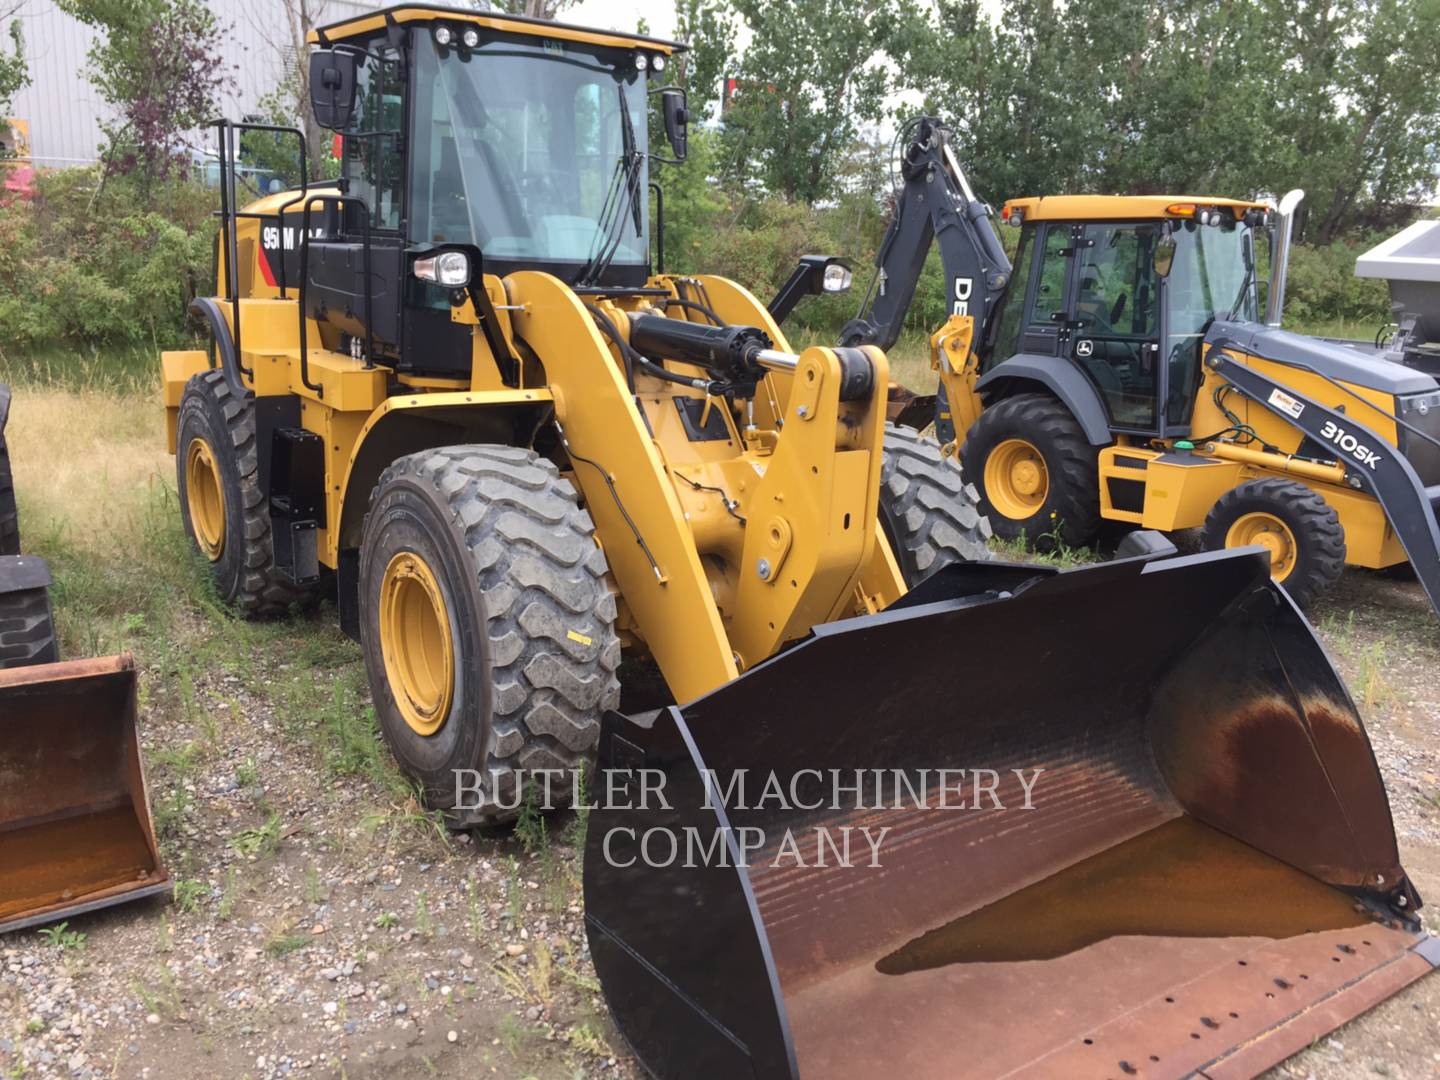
(935, 202)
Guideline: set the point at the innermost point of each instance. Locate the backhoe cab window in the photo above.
(1117, 309)
(521, 148)
(1209, 280)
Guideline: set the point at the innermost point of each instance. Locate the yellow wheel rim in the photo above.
(205, 498)
(1016, 480)
(1269, 532)
(416, 644)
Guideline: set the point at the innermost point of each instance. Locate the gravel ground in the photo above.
(324, 926)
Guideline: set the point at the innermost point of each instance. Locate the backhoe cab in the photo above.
(1130, 367)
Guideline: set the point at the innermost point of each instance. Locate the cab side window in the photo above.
(1050, 289)
(372, 161)
(1012, 315)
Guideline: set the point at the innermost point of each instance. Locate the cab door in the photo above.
(1114, 320)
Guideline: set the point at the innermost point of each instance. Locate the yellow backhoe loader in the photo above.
(453, 388)
(1121, 371)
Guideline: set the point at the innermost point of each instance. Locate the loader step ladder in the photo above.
(1371, 463)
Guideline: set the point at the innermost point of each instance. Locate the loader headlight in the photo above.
(641, 61)
(471, 37)
(658, 63)
(444, 36)
(450, 269)
(837, 278)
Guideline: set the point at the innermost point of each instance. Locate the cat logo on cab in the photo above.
(1351, 445)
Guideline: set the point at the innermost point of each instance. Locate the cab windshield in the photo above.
(532, 150)
(1210, 279)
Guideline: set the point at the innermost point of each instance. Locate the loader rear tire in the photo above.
(9, 516)
(1038, 475)
(27, 623)
(222, 500)
(487, 624)
(930, 515)
(1294, 523)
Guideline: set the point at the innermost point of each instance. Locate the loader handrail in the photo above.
(230, 213)
(341, 201)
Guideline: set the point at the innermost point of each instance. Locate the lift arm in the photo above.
(935, 202)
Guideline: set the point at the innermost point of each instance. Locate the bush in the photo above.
(1322, 286)
(81, 264)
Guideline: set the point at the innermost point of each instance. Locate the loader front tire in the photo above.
(9, 516)
(487, 625)
(1038, 475)
(222, 501)
(929, 514)
(1296, 526)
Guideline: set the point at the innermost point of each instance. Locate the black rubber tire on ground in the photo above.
(9, 516)
(929, 514)
(1319, 537)
(245, 573)
(1071, 509)
(27, 625)
(531, 614)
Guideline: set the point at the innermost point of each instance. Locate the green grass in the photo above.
(124, 369)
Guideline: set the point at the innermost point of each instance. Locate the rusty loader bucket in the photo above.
(75, 828)
(1112, 822)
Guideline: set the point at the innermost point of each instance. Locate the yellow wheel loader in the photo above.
(1120, 371)
(453, 388)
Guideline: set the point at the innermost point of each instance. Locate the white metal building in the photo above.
(63, 110)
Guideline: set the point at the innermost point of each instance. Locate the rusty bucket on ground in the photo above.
(1201, 877)
(75, 827)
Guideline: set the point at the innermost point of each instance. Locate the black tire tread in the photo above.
(540, 575)
(263, 591)
(9, 515)
(1315, 523)
(27, 629)
(936, 512)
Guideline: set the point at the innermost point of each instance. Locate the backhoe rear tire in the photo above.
(1294, 523)
(222, 500)
(9, 516)
(488, 627)
(1038, 474)
(929, 514)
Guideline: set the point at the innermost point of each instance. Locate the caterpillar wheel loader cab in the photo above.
(1123, 370)
(454, 387)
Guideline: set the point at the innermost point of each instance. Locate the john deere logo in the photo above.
(1084, 348)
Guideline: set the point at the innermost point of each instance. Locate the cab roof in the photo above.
(361, 25)
(1120, 207)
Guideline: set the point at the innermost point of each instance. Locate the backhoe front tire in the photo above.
(928, 513)
(1037, 473)
(488, 627)
(222, 501)
(1294, 523)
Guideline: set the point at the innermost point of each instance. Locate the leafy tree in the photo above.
(14, 71)
(708, 28)
(158, 64)
(810, 79)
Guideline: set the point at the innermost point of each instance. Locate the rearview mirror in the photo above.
(1164, 257)
(332, 87)
(677, 122)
